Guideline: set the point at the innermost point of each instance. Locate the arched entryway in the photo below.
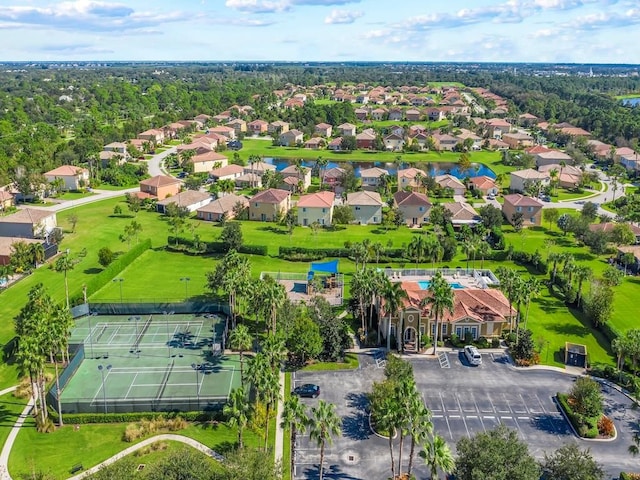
(410, 338)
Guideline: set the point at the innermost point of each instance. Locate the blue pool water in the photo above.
(424, 285)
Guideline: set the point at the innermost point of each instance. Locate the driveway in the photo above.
(464, 400)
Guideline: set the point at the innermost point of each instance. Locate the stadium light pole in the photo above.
(195, 367)
(102, 368)
(166, 317)
(119, 280)
(94, 314)
(186, 281)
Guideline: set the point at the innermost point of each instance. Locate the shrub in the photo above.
(482, 342)
(495, 343)
(105, 256)
(87, 418)
(606, 427)
(148, 426)
(44, 426)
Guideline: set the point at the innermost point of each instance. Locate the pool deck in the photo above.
(464, 279)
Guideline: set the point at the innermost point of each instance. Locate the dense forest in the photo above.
(51, 116)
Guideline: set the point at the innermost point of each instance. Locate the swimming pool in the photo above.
(424, 285)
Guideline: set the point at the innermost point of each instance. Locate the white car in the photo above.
(473, 355)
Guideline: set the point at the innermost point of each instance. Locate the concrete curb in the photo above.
(564, 414)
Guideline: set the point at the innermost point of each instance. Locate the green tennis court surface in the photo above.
(150, 362)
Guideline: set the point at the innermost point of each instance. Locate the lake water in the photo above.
(632, 102)
(432, 168)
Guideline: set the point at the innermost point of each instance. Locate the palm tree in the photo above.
(417, 248)
(433, 249)
(258, 369)
(294, 416)
(554, 257)
(271, 395)
(362, 290)
(420, 425)
(582, 273)
(470, 246)
(324, 424)
(393, 295)
(437, 455)
(237, 411)
(37, 253)
(64, 264)
(273, 296)
(509, 279)
(441, 299)
(240, 339)
(274, 349)
(387, 420)
(322, 165)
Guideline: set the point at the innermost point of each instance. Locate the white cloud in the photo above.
(259, 6)
(343, 16)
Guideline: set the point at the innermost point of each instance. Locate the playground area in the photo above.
(322, 279)
(148, 363)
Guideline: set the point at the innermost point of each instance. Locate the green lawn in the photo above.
(74, 195)
(350, 363)
(564, 195)
(10, 409)
(114, 188)
(91, 444)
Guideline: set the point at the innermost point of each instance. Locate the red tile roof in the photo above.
(272, 195)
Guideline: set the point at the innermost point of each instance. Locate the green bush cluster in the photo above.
(481, 342)
(110, 272)
(180, 244)
(305, 254)
(626, 380)
(86, 418)
(587, 427)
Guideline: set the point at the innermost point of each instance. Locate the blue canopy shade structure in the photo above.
(328, 267)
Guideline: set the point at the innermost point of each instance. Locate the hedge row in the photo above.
(111, 271)
(85, 418)
(214, 247)
(586, 427)
(310, 254)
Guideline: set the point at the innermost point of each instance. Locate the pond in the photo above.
(431, 168)
(631, 102)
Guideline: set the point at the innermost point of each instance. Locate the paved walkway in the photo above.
(8, 444)
(170, 437)
(279, 446)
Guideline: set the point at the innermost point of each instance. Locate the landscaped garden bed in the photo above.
(583, 408)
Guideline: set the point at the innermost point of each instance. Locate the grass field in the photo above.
(74, 195)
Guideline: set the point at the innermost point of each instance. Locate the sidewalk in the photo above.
(8, 444)
(279, 445)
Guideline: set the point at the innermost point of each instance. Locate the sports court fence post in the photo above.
(104, 391)
(186, 281)
(166, 318)
(195, 367)
(94, 314)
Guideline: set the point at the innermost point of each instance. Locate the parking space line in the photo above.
(449, 428)
(442, 402)
(465, 427)
(459, 404)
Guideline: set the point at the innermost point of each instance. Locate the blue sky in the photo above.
(581, 31)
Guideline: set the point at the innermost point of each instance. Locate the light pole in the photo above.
(94, 314)
(119, 280)
(136, 343)
(102, 368)
(186, 281)
(195, 367)
(166, 317)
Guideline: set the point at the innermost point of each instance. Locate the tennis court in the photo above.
(150, 363)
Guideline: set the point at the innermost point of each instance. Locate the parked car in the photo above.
(308, 390)
(473, 355)
(491, 196)
(234, 145)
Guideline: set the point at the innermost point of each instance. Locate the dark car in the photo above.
(234, 145)
(307, 390)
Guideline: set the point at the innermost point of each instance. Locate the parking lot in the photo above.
(464, 400)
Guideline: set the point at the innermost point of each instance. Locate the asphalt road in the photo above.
(464, 400)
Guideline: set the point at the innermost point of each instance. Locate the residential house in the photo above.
(28, 223)
(7, 200)
(435, 114)
(230, 172)
(161, 186)
(202, 119)
(631, 162)
(316, 207)
(315, 143)
(608, 227)
(205, 162)
(346, 130)
(396, 130)
(6, 247)
(476, 312)
(497, 127)
(451, 182)
(413, 206)
(517, 140)
(248, 180)
(365, 141)
(568, 176)
(379, 114)
(485, 185)
(228, 132)
(445, 142)
(269, 205)
(420, 139)
(222, 207)
(190, 200)
(530, 208)
(290, 138)
(410, 177)
(521, 178)
(154, 136)
(361, 113)
(528, 120)
(371, 177)
(138, 144)
(72, 177)
(600, 149)
(198, 146)
(536, 149)
(393, 142)
(323, 129)
(366, 207)
(413, 115)
(396, 115)
(302, 174)
(495, 144)
(118, 147)
(107, 158)
(290, 184)
(222, 117)
(623, 152)
(553, 157)
(239, 126)
(278, 127)
(633, 250)
(259, 168)
(333, 177)
(462, 214)
(335, 144)
(257, 127)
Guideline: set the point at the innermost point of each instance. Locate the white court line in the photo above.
(131, 385)
(231, 383)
